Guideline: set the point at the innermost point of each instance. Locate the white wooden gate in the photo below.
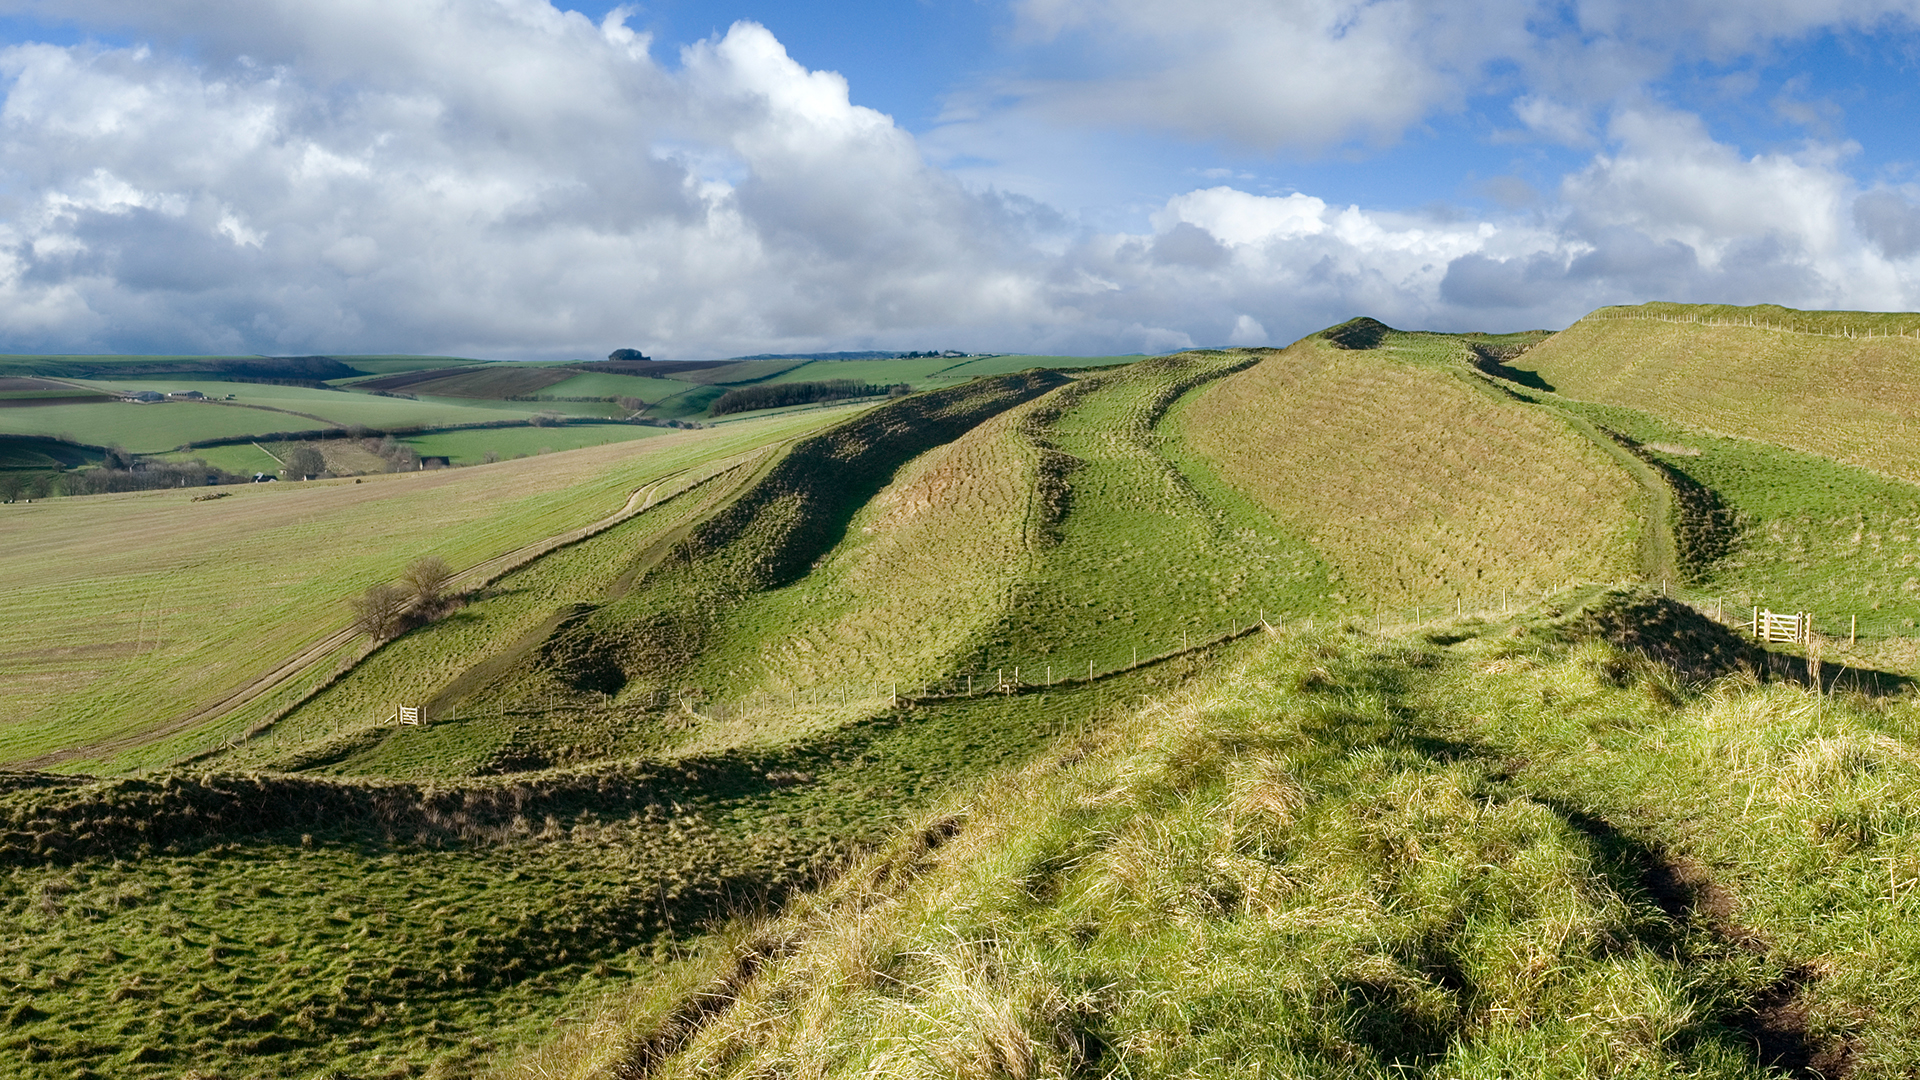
(1774, 626)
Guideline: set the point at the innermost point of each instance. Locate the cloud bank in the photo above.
(503, 178)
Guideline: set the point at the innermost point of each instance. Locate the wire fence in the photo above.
(1042, 674)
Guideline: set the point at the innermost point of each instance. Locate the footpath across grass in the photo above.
(1519, 853)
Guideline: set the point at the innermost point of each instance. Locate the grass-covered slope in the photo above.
(123, 611)
(1838, 384)
(1524, 853)
(1413, 482)
(260, 925)
(665, 621)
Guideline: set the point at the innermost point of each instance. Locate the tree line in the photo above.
(777, 395)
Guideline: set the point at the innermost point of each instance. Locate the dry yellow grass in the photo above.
(1784, 377)
(1412, 482)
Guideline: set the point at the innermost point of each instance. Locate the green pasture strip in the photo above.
(1806, 533)
(606, 384)
(130, 609)
(1142, 559)
(243, 458)
(471, 447)
(1323, 864)
(276, 953)
(148, 428)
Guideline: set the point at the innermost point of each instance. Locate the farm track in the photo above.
(639, 500)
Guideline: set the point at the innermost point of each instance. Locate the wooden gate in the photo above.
(1774, 626)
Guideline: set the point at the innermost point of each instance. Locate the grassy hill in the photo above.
(944, 737)
(1411, 479)
(1523, 852)
(1837, 384)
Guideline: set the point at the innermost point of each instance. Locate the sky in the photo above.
(708, 178)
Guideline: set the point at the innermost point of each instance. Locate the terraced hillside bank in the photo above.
(1835, 383)
(769, 537)
(1523, 852)
(1411, 480)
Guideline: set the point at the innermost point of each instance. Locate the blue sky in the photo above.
(704, 178)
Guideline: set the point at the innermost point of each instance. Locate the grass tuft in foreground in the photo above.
(1523, 853)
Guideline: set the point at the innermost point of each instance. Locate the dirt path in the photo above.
(474, 576)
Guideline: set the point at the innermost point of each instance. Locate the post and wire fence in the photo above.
(1041, 674)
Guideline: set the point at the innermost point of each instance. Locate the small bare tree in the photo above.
(380, 610)
(426, 581)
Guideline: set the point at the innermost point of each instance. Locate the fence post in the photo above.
(1853, 629)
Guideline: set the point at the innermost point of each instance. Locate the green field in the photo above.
(130, 609)
(255, 410)
(606, 384)
(1231, 713)
(472, 447)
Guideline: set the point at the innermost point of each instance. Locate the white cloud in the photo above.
(1316, 73)
(503, 178)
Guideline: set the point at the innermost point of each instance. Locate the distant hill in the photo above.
(852, 355)
(1841, 384)
(309, 368)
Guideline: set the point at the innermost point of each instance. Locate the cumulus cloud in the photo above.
(504, 178)
(1889, 222)
(493, 176)
(1314, 73)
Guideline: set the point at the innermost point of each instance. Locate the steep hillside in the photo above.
(1525, 853)
(1839, 384)
(1412, 481)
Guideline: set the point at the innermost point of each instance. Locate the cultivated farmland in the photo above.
(129, 609)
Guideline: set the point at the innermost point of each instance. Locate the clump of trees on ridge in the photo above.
(776, 395)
